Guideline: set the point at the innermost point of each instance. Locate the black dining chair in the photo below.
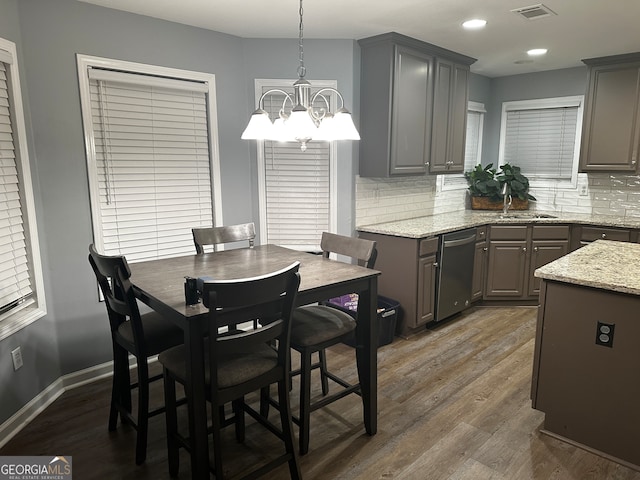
(317, 327)
(142, 336)
(214, 236)
(238, 363)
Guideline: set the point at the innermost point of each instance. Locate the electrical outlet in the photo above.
(604, 334)
(582, 189)
(16, 356)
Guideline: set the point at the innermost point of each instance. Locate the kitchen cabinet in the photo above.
(399, 88)
(515, 252)
(427, 281)
(479, 264)
(611, 129)
(450, 110)
(582, 235)
(409, 268)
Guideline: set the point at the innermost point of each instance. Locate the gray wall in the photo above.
(554, 83)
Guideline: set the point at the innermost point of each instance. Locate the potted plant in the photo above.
(486, 186)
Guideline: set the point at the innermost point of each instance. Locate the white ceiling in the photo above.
(581, 28)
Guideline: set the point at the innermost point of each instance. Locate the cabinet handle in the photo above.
(535, 249)
(524, 249)
(604, 235)
(426, 164)
(485, 249)
(435, 265)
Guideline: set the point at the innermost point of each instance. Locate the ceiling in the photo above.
(579, 29)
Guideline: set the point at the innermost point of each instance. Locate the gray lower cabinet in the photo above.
(399, 88)
(515, 252)
(583, 234)
(611, 129)
(479, 264)
(408, 267)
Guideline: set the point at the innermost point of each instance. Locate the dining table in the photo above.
(160, 285)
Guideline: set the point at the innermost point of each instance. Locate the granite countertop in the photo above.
(601, 264)
(437, 224)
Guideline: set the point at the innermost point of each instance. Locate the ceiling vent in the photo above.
(534, 12)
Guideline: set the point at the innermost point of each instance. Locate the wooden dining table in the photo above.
(160, 285)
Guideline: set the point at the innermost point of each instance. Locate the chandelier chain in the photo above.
(301, 68)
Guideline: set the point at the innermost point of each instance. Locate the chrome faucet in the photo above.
(506, 192)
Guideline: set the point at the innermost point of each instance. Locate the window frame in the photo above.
(84, 62)
(18, 318)
(541, 103)
(441, 184)
(262, 85)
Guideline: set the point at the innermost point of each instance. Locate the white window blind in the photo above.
(297, 188)
(15, 277)
(542, 140)
(152, 158)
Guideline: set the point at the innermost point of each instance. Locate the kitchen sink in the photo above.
(527, 215)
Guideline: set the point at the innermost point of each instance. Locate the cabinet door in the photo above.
(426, 289)
(449, 117)
(612, 125)
(506, 268)
(479, 269)
(543, 252)
(411, 112)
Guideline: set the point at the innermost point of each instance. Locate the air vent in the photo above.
(534, 12)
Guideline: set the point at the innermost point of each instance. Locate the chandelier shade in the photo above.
(308, 119)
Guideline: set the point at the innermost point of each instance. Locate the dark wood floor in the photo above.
(453, 404)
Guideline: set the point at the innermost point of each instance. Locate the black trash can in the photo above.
(388, 311)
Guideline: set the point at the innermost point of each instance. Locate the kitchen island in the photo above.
(586, 372)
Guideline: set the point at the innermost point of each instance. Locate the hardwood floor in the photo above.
(453, 404)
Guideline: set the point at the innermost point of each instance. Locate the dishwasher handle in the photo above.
(459, 242)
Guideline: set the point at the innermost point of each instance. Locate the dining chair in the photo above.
(238, 363)
(142, 336)
(214, 236)
(317, 327)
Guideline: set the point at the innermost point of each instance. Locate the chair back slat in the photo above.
(360, 249)
(225, 234)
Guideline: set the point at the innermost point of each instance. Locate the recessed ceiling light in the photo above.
(474, 24)
(534, 52)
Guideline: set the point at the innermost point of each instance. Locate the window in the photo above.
(21, 284)
(473, 148)
(542, 137)
(152, 156)
(296, 189)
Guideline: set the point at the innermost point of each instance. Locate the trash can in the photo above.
(388, 311)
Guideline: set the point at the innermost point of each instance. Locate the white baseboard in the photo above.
(38, 404)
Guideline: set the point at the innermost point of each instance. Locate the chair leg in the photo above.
(216, 425)
(264, 401)
(287, 429)
(305, 401)
(238, 413)
(323, 371)
(171, 420)
(143, 411)
(120, 389)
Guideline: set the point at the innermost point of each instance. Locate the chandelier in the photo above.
(309, 117)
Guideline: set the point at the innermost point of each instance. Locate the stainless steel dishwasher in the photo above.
(455, 276)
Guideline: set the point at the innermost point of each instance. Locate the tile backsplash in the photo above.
(380, 200)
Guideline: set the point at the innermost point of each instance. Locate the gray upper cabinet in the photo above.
(611, 130)
(450, 117)
(399, 89)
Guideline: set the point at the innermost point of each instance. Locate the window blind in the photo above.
(297, 188)
(15, 279)
(541, 141)
(151, 138)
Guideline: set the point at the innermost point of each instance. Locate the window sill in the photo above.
(12, 322)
